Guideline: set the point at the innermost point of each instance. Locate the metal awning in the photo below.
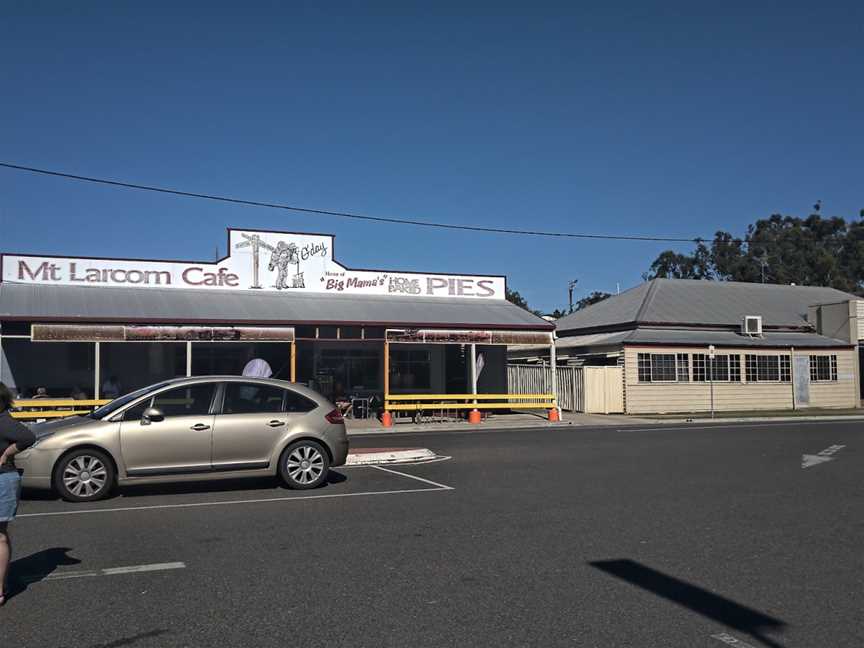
(51, 303)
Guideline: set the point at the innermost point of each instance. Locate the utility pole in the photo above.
(763, 261)
(570, 287)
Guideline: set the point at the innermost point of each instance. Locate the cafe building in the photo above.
(94, 326)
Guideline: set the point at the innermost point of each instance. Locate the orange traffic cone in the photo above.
(474, 417)
(386, 419)
(554, 415)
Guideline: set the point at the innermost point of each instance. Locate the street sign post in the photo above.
(711, 355)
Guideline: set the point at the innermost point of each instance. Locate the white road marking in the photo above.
(813, 460)
(422, 462)
(730, 640)
(111, 571)
(263, 500)
(420, 479)
(134, 569)
(830, 450)
(389, 456)
(825, 455)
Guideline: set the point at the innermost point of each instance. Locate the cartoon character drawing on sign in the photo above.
(283, 255)
(254, 242)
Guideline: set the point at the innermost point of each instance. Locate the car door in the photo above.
(247, 427)
(180, 443)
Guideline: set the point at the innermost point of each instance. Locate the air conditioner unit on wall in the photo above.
(752, 325)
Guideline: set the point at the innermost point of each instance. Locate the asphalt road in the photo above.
(691, 537)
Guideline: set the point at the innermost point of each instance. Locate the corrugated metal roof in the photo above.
(92, 304)
(577, 344)
(717, 303)
(731, 339)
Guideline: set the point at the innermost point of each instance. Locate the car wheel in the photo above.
(84, 475)
(304, 465)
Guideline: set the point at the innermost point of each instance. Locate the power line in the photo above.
(324, 212)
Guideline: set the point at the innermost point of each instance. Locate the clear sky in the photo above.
(666, 118)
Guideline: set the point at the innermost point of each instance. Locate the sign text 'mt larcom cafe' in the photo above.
(273, 261)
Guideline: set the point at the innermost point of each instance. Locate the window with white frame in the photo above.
(823, 368)
(723, 368)
(663, 367)
(768, 368)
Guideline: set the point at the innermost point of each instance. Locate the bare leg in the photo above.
(5, 555)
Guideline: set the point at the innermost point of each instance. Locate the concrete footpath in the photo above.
(524, 420)
(495, 422)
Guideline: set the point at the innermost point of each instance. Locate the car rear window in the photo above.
(252, 398)
(295, 402)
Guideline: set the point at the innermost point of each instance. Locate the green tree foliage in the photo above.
(514, 297)
(812, 251)
(592, 298)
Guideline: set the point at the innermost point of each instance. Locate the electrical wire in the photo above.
(340, 214)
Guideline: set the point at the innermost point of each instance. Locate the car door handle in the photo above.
(275, 423)
(198, 427)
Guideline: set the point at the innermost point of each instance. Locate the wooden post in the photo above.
(386, 417)
(555, 412)
(386, 372)
(97, 371)
(293, 361)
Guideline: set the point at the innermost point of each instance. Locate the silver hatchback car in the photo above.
(214, 427)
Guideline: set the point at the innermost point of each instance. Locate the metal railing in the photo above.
(33, 409)
(420, 402)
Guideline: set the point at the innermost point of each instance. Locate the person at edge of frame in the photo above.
(14, 437)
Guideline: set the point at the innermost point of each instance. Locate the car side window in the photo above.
(295, 402)
(135, 412)
(251, 398)
(190, 400)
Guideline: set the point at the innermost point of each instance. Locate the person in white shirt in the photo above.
(257, 368)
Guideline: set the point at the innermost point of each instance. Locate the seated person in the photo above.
(77, 393)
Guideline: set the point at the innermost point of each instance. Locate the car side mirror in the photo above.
(152, 415)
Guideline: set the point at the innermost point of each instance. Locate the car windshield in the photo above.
(117, 403)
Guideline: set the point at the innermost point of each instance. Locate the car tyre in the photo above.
(304, 464)
(84, 475)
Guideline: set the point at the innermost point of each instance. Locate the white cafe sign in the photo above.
(272, 261)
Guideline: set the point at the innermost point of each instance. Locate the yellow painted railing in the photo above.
(419, 402)
(45, 408)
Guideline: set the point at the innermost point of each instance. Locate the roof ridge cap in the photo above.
(649, 296)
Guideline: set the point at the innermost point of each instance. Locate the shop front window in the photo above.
(410, 369)
(55, 369)
(229, 358)
(127, 366)
(341, 372)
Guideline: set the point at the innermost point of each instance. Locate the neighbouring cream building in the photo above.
(681, 346)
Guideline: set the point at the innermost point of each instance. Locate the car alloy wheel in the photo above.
(84, 475)
(304, 465)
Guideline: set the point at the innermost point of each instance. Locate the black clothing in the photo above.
(12, 431)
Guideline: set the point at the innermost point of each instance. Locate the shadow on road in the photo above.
(36, 567)
(180, 488)
(715, 607)
(128, 641)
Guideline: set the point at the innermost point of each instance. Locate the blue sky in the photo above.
(672, 118)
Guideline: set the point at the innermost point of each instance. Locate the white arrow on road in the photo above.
(814, 460)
